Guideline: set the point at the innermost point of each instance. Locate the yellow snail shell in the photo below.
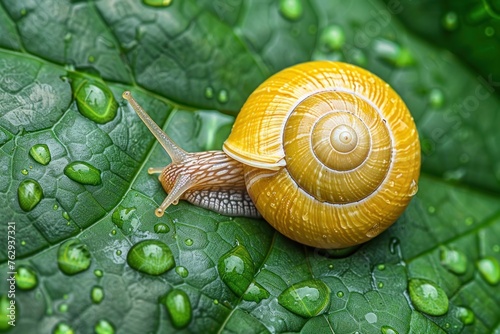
(330, 154)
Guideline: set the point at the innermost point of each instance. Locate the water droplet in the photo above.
(392, 53)
(63, 308)
(236, 269)
(332, 38)
(255, 293)
(73, 257)
(427, 297)
(179, 308)
(381, 267)
(24, 171)
(23, 243)
(450, 21)
(330, 266)
(489, 269)
(182, 271)
(98, 273)
(380, 285)
(216, 302)
(119, 252)
(431, 209)
(371, 318)
(436, 98)
(465, 315)
(496, 248)
(307, 298)
(223, 96)
(55, 207)
(489, 31)
(469, 221)
(113, 232)
(66, 215)
(151, 257)
(63, 328)
(97, 294)
(29, 194)
(26, 278)
(91, 59)
(121, 214)
(453, 260)
(340, 294)
(157, 3)
(209, 92)
(93, 98)
(188, 242)
(5, 312)
(104, 327)
(83, 173)
(388, 330)
(291, 9)
(161, 228)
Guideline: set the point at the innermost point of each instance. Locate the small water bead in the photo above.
(188, 242)
(73, 257)
(450, 21)
(393, 53)
(29, 194)
(151, 257)
(223, 96)
(381, 267)
(489, 268)
(255, 292)
(66, 215)
(216, 302)
(113, 232)
(119, 252)
(121, 214)
(91, 59)
(84, 173)
(465, 315)
(340, 294)
(5, 312)
(63, 308)
(55, 207)
(182, 271)
(179, 308)
(26, 278)
(436, 98)
(307, 298)
(380, 285)
(97, 294)
(291, 9)
(98, 273)
(332, 38)
(63, 328)
(453, 260)
(93, 98)
(427, 297)
(209, 92)
(371, 318)
(157, 3)
(236, 269)
(161, 228)
(104, 327)
(24, 171)
(469, 221)
(388, 330)
(431, 209)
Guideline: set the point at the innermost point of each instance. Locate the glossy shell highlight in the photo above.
(331, 152)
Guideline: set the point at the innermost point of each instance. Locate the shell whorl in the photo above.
(336, 151)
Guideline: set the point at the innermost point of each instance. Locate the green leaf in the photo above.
(186, 62)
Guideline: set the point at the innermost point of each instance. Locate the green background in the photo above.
(192, 65)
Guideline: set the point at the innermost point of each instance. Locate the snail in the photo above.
(325, 151)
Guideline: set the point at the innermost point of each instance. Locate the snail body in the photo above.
(326, 152)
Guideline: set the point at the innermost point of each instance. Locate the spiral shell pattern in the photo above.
(331, 152)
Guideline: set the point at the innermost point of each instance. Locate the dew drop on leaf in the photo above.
(97, 294)
(63, 328)
(388, 330)
(40, 153)
(188, 242)
(450, 21)
(332, 38)
(182, 271)
(63, 308)
(209, 92)
(93, 98)
(179, 308)
(121, 214)
(453, 260)
(26, 278)
(428, 297)
(465, 315)
(255, 293)
(489, 268)
(393, 53)
(98, 273)
(73, 257)
(161, 228)
(371, 317)
(236, 269)
(151, 257)
(157, 3)
(291, 9)
(83, 173)
(5, 312)
(223, 96)
(307, 298)
(340, 294)
(104, 327)
(66, 215)
(29, 194)
(436, 98)
(118, 252)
